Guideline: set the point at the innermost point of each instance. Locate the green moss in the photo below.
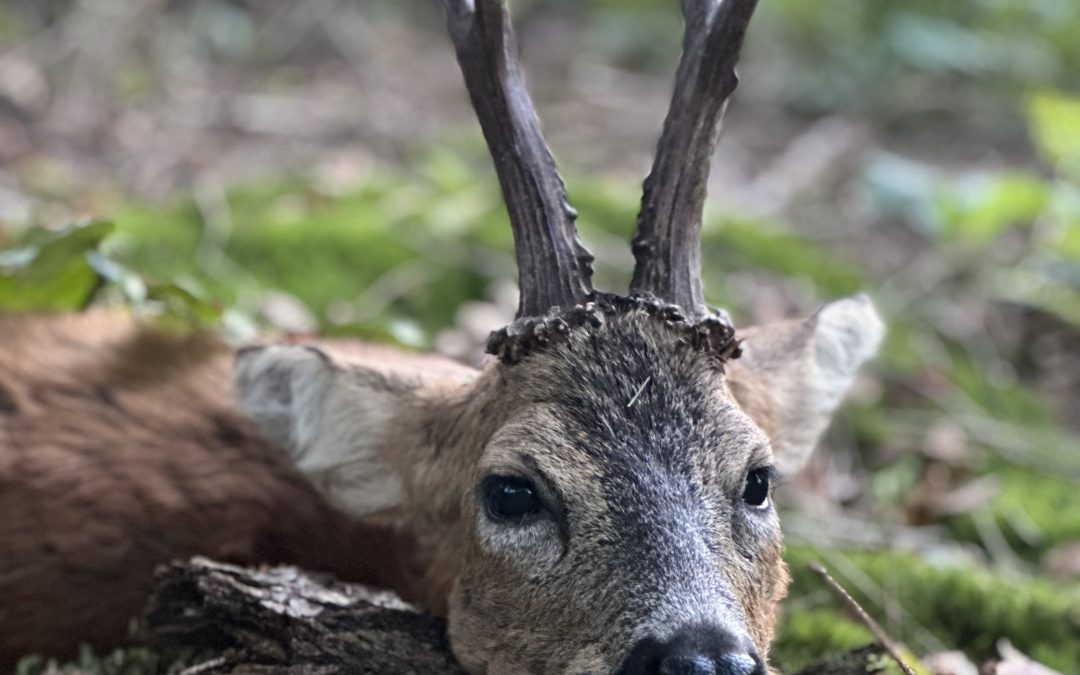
(870, 659)
(964, 608)
(813, 634)
(130, 661)
(1035, 511)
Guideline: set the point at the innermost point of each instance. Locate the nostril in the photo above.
(698, 664)
(687, 665)
(739, 664)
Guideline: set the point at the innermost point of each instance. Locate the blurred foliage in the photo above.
(841, 54)
(410, 243)
(415, 247)
(853, 53)
(1055, 122)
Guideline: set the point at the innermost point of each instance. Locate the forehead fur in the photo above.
(632, 391)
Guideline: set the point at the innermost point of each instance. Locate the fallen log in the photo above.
(281, 621)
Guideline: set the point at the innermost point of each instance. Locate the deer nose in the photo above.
(695, 650)
(687, 665)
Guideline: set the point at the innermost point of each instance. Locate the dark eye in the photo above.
(756, 492)
(511, 499)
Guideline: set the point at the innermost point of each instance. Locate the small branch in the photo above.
(637, 393)
(205, 666)
(867, 620)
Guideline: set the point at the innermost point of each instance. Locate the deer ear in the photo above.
(329, 417)
(797, 372)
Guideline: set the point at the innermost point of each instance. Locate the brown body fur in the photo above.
(120, 450)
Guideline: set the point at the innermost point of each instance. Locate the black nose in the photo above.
(694, 650)
(687, 665)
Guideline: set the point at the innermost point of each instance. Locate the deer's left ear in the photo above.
(792, 375)
(330, 417)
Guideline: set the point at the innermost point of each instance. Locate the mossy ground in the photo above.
(131, 661)
(933, 607)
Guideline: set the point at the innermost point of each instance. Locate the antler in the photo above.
(667, 244)
(554, 269)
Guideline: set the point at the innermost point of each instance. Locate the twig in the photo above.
(867, 586)
(637, 393)
(199, 668)
(867, 620)
(213, 206)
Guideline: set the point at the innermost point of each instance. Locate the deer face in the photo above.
(599, 499)
(602, 505)
(620, 517)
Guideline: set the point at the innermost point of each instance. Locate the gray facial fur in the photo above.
(640, 454)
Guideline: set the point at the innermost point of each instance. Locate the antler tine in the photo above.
(667, 244)
(554, 269)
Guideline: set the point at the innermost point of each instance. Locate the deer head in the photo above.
(599, 496)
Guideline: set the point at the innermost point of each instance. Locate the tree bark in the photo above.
(278, 621)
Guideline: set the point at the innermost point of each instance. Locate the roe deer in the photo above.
(597, 499)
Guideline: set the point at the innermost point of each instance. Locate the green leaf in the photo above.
(1055, 126)
(185, 302)
(54, 272)
(983, 208)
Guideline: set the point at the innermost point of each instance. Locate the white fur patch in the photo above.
(844, 334)
(848, 333)
(330, 419)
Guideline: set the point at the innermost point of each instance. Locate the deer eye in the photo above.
(756, 492)
(510, 499)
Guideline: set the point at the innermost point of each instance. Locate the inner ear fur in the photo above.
(793, 375)
(339, 418)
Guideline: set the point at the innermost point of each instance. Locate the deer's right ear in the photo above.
(793, 374)
(330, 417)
